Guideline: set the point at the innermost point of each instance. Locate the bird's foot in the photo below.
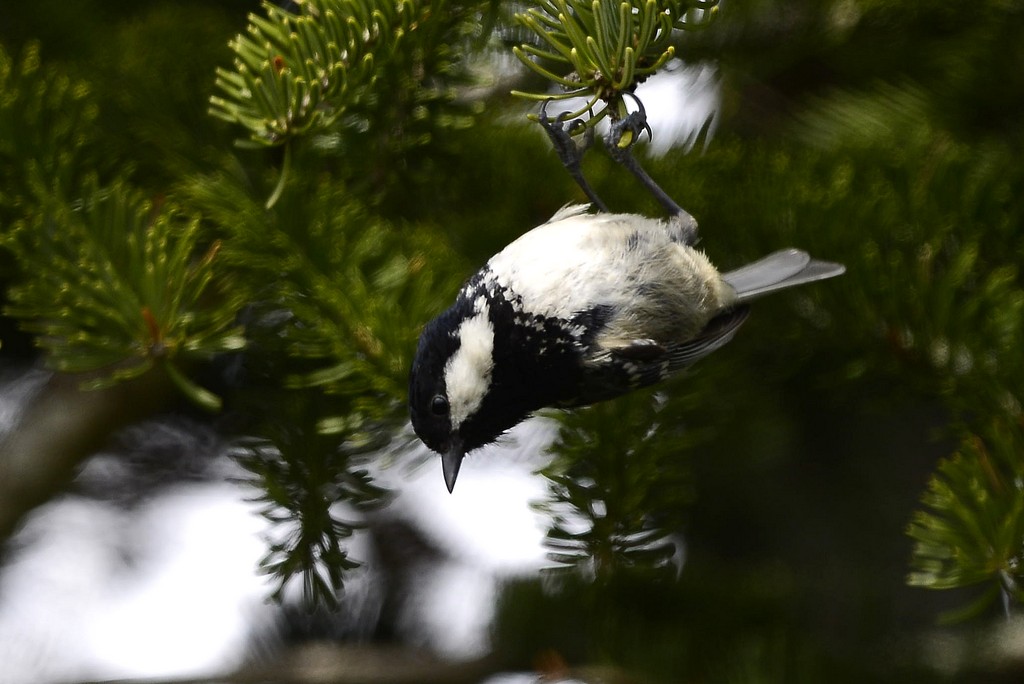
(625, 132)
(563, 134)
(622, 135)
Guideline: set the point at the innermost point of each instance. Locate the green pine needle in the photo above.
(618, 498)
(297, 73)
(971, 529)
(313, 488)
(48, 130)
(604, 49)
(119, 284)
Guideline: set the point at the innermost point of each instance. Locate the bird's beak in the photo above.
(451, 461)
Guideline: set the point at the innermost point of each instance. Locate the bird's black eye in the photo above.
(439, 405)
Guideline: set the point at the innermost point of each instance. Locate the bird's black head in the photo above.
(451, 381)
(482, 366)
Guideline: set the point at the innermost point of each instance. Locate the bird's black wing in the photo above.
(715, 335)
(619, 370)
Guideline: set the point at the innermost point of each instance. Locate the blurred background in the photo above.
(207, 472)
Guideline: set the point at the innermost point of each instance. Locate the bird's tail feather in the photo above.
(778, 271)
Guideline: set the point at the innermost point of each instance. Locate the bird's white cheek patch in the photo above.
(467, 375)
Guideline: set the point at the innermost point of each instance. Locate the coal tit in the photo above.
(583, 308)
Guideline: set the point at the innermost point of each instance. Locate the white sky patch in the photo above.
(514, 678)
(204, 546)
(488, 520)
(487, 530)
(454, 608)
(170, 588)
(467, 375)
(679, 99)
(73, 606)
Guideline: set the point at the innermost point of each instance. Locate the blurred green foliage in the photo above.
(47, 124)
(780, 475)
(971, 529)
(118, 285)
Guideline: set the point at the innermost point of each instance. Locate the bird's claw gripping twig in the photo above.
(560, 131)
(632, 124)
(622, 135)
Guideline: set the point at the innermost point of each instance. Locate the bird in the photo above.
(584, 308)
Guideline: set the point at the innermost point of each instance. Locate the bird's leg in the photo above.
(560, 131)
(622, 135)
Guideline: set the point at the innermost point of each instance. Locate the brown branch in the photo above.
(62, 427)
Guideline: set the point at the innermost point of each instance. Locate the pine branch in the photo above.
(601, 50)
(336, 295)
(619, 486)
(351, 66)
(297, 73)
(971, 530)
(335, 305)
(293, 70)
(349, 290)
(313, 489)
(59, 430)
(119, 286)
